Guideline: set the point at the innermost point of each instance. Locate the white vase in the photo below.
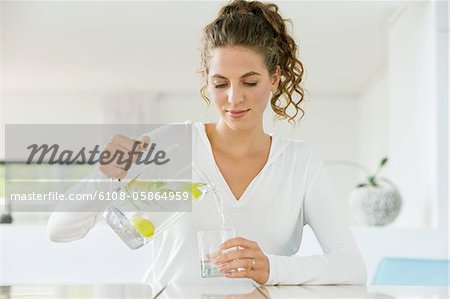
(378, 205)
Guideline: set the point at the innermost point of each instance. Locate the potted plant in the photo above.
(376, 201)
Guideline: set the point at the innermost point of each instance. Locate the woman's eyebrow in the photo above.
(243, 76)
(250, 74)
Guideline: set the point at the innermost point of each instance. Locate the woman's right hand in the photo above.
(124, 144)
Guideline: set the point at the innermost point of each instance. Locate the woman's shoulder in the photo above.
(301, 150)
(189, 127)
(198, 128)
(298, 146)
(196, 125)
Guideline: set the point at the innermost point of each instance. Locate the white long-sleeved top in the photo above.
(292, 190)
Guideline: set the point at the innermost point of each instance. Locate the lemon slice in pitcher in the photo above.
(143, 225)
(194, 189)
(145, 185)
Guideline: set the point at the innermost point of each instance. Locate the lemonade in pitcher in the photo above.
(156, 197)
(150, 207)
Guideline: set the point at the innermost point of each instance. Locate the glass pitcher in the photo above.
(155, 198)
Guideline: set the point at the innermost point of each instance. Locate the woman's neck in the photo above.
(237, 143)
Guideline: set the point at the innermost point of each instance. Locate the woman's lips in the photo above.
(237, 113)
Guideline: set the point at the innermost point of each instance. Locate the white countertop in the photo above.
(336, 291)
(125, 291)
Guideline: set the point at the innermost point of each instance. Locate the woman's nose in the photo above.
(235, 95)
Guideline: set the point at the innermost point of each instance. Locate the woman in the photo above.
(271, 187)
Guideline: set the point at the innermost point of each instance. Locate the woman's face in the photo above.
(239, 85)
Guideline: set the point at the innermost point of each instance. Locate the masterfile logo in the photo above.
(44, 162)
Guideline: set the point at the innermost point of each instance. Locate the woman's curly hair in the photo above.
(260, 27)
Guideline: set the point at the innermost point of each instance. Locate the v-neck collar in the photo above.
(242, 200)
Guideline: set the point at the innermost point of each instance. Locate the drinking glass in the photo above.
(209, 242)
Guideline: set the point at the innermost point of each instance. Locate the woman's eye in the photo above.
(223, 85)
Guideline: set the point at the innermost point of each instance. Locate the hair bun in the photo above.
(266, 11)
(247, 7)
(237, 7)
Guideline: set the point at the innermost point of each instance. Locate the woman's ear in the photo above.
(275, 79)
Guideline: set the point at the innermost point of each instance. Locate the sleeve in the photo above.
(73, 220)
(341, 262)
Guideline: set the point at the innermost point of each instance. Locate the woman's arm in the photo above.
(341, 262)
(73, 220)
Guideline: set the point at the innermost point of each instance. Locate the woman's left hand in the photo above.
(247, 261)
